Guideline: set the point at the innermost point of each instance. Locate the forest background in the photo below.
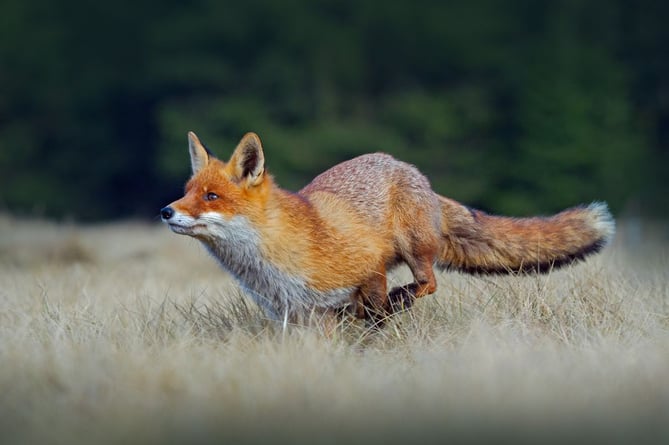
(514, 107)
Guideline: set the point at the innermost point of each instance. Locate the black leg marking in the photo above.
(402, 298)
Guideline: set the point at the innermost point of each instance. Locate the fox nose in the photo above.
(166, 213)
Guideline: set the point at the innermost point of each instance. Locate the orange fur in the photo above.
(331, 244)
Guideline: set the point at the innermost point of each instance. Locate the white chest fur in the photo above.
(236, 245)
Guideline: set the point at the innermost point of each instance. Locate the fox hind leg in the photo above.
(402, 297)
(375, 304)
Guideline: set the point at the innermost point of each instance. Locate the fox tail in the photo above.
(476, 242)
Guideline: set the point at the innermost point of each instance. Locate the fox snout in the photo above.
(178, 222)
(166, 213)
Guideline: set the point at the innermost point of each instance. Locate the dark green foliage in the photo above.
(517, 108)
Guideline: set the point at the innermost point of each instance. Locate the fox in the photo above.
(327, 249)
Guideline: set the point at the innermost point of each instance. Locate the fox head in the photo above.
(220, 195)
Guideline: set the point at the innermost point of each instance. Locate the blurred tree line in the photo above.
(515, 107)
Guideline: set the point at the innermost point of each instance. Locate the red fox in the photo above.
(330, 245)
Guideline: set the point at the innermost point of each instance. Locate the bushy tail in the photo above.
(476, 242)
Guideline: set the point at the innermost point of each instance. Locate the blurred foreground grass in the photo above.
(129, 333)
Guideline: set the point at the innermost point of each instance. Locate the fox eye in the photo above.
(211, 196)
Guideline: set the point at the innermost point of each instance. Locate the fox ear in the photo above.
(248, 160)
(199, 155)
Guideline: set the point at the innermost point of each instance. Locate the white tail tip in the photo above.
(602, 221)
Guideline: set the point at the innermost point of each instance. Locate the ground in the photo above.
(129, 333)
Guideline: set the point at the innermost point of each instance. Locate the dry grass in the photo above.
(128, 333)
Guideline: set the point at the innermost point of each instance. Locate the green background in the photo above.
(514, 107)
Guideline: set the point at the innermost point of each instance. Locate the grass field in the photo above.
(127, 333)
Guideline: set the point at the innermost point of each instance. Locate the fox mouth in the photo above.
(184, 230)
